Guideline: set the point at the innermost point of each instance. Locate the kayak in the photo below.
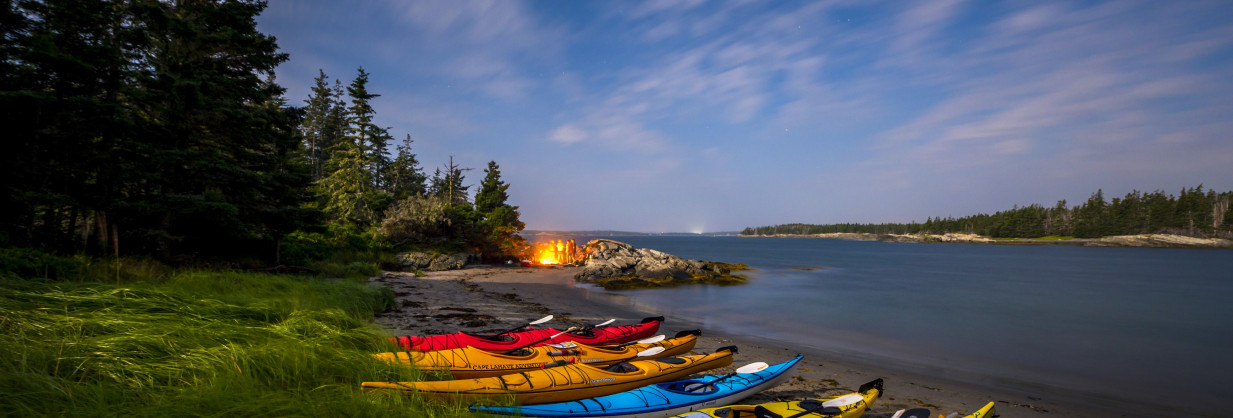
(563, 383)
(985, 412)
(661, 399)
(470, 362)
(851, 405)
(598, 336)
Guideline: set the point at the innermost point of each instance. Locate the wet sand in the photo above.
(494, 298)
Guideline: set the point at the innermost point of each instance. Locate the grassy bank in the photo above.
(144, 340)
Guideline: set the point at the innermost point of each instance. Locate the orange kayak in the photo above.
(564, 383)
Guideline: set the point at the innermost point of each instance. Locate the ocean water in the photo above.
(1141, 326)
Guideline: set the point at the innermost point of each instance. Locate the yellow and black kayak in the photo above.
(470, 362)
(851, 405)
(985, 412)
(567, 382)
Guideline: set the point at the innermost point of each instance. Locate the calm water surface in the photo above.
(1113, 323)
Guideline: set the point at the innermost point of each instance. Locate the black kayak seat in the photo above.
(671, 360)
(502, 337)
(621, 367)
(761, 412)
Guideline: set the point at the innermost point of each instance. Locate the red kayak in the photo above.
(599, 336)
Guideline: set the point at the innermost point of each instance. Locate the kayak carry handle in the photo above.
(694, 332)
(731, 348)
(873, 384)
(652, 319)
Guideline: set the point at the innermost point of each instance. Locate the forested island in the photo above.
(1194, 213)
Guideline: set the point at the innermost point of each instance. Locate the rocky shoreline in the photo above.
(616, 265)
(1142, 240)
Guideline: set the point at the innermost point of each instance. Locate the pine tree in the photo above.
(62, 113)
(347, 186)
(318, 128)
(372, 139)
(448, 184)
(403, 176)
(500, 224)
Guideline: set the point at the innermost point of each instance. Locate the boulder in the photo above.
(418, 260)
(449, 261)
(607, 259)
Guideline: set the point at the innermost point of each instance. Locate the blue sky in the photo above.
(697, 116)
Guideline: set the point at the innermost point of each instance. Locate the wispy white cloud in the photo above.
(567, 134)
(489, 46)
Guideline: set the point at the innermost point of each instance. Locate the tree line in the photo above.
(156, 128)
(1193, 212)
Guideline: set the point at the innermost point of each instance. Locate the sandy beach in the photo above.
(494, 298)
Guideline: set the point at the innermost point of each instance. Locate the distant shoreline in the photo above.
(1139, 241)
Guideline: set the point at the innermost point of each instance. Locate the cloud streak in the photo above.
(899, 111)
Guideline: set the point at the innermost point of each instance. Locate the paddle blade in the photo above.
(651, 351)
(541, 320)
(654, 339)
(567, 344)
(752, 368)
(913, 413)
(604, 323)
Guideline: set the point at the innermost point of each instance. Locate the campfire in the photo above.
(556, 252)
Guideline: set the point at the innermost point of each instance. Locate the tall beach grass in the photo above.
(158, 342)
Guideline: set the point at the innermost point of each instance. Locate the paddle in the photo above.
(535, 322)
(654, 339)
(651, 351)
(511, 352)
(913, 413)
(746, 369)
(648, 352)
(591, 327)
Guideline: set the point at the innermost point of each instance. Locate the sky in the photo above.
(701, 116)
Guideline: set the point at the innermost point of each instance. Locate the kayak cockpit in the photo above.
(688, 387)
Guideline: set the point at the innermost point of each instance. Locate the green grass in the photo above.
(155, 342)
(1054, 238)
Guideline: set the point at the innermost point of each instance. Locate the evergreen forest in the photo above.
(156, 129)
(1193, 212)
(158, 186)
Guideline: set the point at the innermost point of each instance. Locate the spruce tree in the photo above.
(372, 139)
(500, 225)
(403, 176)
(347, 186)
(318, 129)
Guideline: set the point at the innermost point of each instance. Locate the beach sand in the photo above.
(495, 298)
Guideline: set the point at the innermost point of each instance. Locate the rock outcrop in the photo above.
(416, 260)
(615, 264)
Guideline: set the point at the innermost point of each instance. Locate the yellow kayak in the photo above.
(985, 412)
(470, 362)
(851, 405)
(567, 382)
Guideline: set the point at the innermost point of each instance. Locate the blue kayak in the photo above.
(661, 399)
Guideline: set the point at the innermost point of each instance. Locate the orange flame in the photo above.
(556, 252)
